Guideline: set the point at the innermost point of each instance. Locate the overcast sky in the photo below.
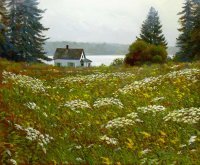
(115, 21)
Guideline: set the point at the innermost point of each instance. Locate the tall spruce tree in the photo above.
(196, 2)
(151, 31)
(184, 39)
(195, 35)
(3, 12)
(3, 22)
(25, 30)
(2, 41)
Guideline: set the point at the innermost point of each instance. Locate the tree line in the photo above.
(21, 33)
(151, 45)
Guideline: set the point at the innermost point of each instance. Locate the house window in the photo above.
(58, 64)
(70, 64)
(82, 63)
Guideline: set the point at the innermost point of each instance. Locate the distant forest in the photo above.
(95, 48)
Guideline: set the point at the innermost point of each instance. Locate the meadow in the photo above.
(101, 115)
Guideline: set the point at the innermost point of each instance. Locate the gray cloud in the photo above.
(117, 21)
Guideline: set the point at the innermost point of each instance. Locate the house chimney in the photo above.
(67, 47)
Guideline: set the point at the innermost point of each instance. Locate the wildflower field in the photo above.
(103, 115)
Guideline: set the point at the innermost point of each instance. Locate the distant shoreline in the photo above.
(97, 49)
(169, 55)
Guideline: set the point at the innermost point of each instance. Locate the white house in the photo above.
(71, 57)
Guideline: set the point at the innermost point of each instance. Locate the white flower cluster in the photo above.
(146, 151)
(108, 101)
(185, 115)
(112, 141)
(192, 139)
(23, 81)
(158, 99)
(32, 106)
(189, 74)
(76, 105)
(151, 108)
(35, 135)
(175, 67)
(121, 75)
(80, 160)
(134, 116)
(121, 122)
(13, 161)
(149, 161)
(137, 85)
(94, 77)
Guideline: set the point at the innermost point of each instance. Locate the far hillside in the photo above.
(94, 48)
(90, 48)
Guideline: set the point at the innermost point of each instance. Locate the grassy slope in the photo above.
(80, 130)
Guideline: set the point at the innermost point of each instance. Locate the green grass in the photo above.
(68, 105)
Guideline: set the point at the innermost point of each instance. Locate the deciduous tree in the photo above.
(141, 52)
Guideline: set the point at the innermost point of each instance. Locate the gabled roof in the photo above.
(86, 60)
(64, 53)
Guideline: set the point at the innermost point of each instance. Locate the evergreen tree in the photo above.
(26, 30)
(3, 22)
(2, 40)
(151, 31)
(196, 2)
(184, 39)
(3, 12)
(195, 35)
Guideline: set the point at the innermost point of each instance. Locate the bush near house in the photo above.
(141, 52)
(117, 62)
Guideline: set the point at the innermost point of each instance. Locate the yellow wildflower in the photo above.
(174, 141)
(130, 143)
(162, 133)
(146, 95)
(106, 161)
(146, 135)
(161, 140)
(98, 122)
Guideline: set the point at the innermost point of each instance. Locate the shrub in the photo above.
(141, 52)
(117, 62)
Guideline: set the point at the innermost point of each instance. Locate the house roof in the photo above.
(64, 53)
(86, 60)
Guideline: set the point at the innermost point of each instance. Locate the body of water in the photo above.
(98, 60)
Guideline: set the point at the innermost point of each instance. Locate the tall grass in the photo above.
(105, 115)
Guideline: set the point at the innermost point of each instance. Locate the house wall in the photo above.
(87, 64)
(83, 56)
(76, 63)
(66, 62)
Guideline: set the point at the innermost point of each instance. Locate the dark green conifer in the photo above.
(26, 31)
(151, 31)
(3, 22)
(195, 35)
(184, 39)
